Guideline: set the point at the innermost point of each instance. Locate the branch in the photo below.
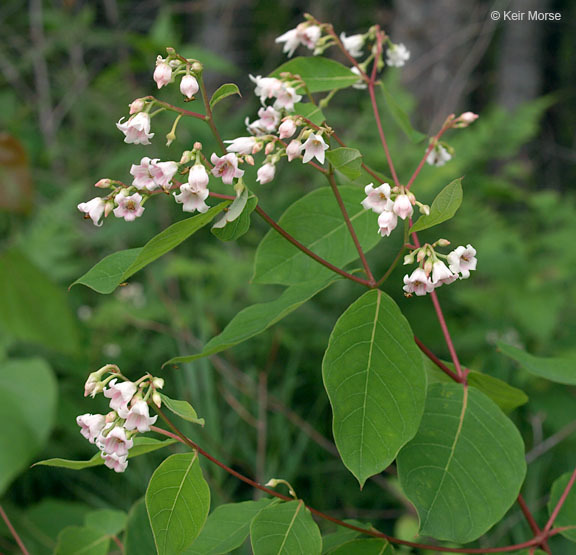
(560, 501)
(13, 532)
(177, 109)
(436, 360)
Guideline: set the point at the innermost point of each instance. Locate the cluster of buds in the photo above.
(439, 153)
(391, 204)
(433, 272)
(113, 433)
(174, 66)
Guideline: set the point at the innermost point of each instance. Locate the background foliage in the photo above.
(68, 70)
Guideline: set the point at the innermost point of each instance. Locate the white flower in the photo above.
(116, 442)
(462, 260)
(304, 33)
(438, 156)
(314, 147)
(403, 207)
(162, 73)
(129, 206)
(198, 177)
(286, 97)
(163, 172)
(139, 418)
(241, 145)
(397, 55)
(266, 87)
(287, 128)
(360, 84)
(269, 118)
(226, 167)
(93, 209)
(354, 44)
(91, 425)
(441, 274)
(120, 394)
(293, 149)
(189, 86)
(387, 222)
(114, 462)
(192, 198)
(418, 283)
(266, 173)
(377, 199)
(291, 40)
(136, 129)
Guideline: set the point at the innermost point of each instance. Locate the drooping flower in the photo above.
(117, 442)
(403, 207)
(441, 274)
(397, 55)
(291, 40)
(93, 209)
(463, 259)
(287, 128)
(129, 206)
(293, 149)
(269, 118)
(192, 198)
(438, 156)
(387, 222)
(286, 97)
(162, 73)
(266, 173)
(198, 177)
(377, 199)
(266, 87)
(353, 44)
(139, 418)
(163, 172)
(120, 394)
(142, 177)
(115, 462)
(304, 33)
(137, 105)
(136, 129)
(226, 167)
(189, 86)
(241, 145)
(314, 147)
(418, 283)
(91, 425)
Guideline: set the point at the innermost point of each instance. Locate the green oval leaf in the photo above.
(375, 380)
(257, 318)
(319, 74)
(183, 409)
(368, 546)
(77, 540)
(310, 111)
(222, 92)
(110, 272)
(287, 529)
(107, 521)
(400, 117)
(178, 501)
(142, 445)
(28, 395)
(347, 161)
(138, 539)
(559, 370)
(227, 528)
(567, 514)
(465, 467)
(443, 207)
(316, 221)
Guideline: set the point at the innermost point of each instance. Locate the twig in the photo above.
(13, 532)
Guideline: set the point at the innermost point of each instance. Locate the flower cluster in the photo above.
(113, 433)
(391, 204)
(433, 272)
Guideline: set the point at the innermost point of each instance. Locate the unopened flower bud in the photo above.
(465, 119)
(428, 265)
(420, 256)
(137, 105)
(269, 148)
(189, 86)
(197, 145)
(197, 67)
(293, 149)
(158, 383)
(409, 258)
(257, 147)
(249, 159)
(162, 74)
(170, 138)
(442, 242)
(287, 128)
(103, 183)
(156, 399)
(424, 209)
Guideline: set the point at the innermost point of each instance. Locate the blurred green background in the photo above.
(67, 73)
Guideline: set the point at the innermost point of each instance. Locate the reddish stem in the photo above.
(351, 229)
(532, 523)
(560, 501)
(299, 245)
(13, 532)
(371, 84)
(436, 360)
(428, 151)
(371, 532)
(173, 108)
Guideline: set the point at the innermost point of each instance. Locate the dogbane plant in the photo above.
(459, 458)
